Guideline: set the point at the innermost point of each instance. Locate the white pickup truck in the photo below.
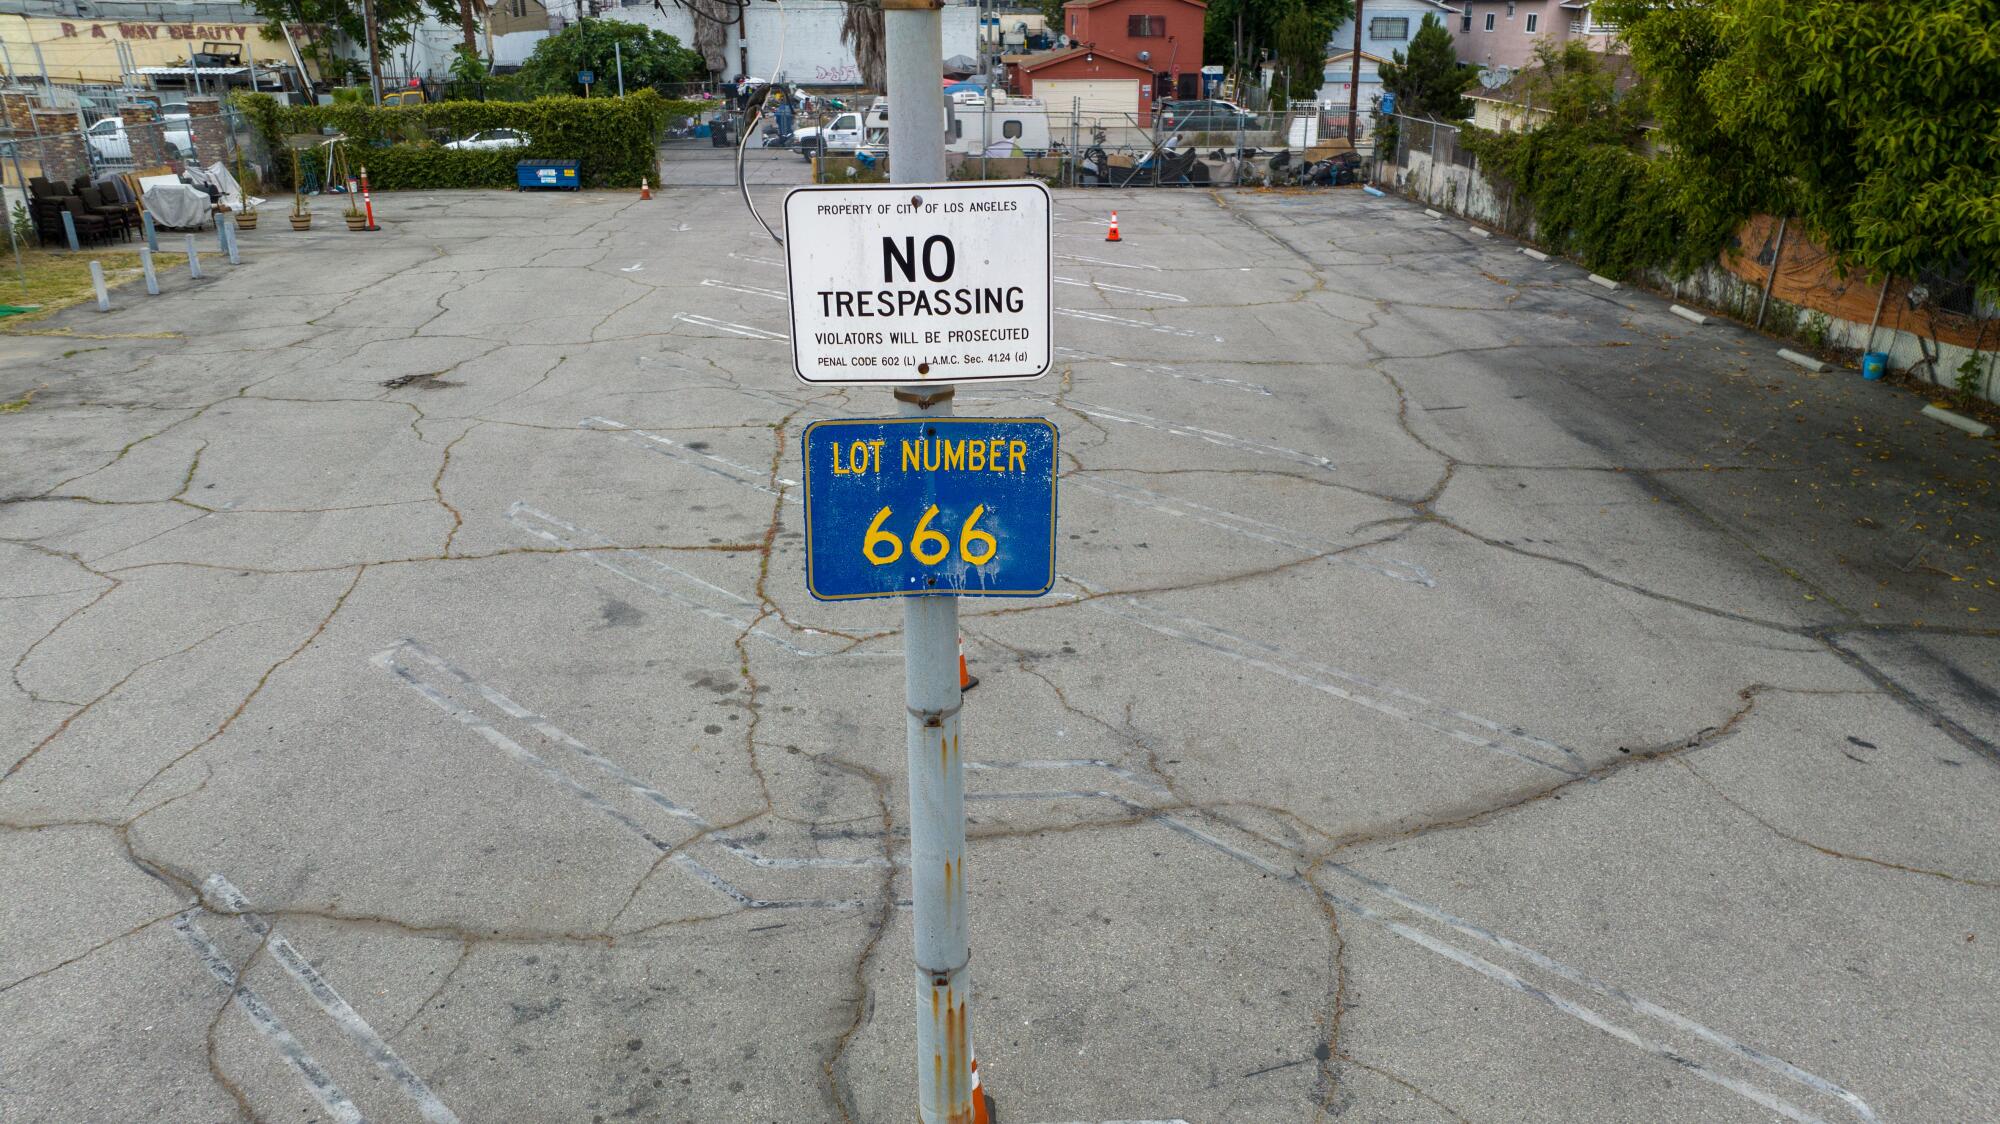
(108, 142)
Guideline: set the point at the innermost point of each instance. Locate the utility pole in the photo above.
(1241, 96)
(913, 30)
(374, 57)
(1354, 84)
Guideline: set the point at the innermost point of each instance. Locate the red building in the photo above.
(1125, 55)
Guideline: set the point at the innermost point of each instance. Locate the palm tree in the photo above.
(712, 20)
(861, 28)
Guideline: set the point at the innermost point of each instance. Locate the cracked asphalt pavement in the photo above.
(1470, 695)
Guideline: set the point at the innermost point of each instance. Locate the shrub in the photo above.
(614, 140)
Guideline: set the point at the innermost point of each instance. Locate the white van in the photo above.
(1003, 126)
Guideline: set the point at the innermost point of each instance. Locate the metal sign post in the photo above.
(918, 288)
(914, 34)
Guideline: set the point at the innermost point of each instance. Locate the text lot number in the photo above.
(929, 546)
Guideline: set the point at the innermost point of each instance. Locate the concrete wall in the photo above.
(1463, 191)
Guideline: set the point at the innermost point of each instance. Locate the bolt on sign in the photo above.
(899, 507)
(907, 284)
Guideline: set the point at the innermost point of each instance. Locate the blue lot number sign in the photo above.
(899, 507)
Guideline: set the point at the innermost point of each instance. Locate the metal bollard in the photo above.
(228, 227)
(152, 234)
(194, 258)
(152, 279)
(69, 231)
(97, 283)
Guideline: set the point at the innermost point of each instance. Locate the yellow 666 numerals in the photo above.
(927, 546)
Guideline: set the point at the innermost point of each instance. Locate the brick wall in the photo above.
(142, 132)
(63, 155)
(206, 128)
(14, 107)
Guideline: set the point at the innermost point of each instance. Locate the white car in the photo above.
(109, 143)
(490, 140)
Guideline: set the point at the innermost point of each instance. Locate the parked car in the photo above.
(1207, 115)
(490, 140)
(108, 142)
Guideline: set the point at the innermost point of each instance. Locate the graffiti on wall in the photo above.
(845, 72)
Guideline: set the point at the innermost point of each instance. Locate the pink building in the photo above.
(1491, 33)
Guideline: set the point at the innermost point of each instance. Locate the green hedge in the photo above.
(614, 140)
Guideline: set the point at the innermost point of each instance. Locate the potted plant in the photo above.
(246, 219)
(302, 217)
(357, 219)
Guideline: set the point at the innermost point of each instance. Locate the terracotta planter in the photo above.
(302, 222)
(246, 220)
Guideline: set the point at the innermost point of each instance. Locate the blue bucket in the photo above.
(1874, 365)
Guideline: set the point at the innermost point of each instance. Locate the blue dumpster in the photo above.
(546, 173)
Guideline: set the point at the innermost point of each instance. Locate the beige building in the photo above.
(104, 50)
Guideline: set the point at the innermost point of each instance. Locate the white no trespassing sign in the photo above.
(910, 283)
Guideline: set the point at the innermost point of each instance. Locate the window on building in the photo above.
(1389, 27)
(1146, 27)
(1011, 130)
(1489, 21)
(1533, 18)
(1465, 22)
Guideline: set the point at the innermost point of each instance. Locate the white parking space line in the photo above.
(661, 578)
(1109, 288)
(1459, 725)
(1581, 1013)
(318, 1082)
(733, 471)
(1127, 322)
(1166, 425)
(638, 787)
(753, 290)
(344, 1016)
(1112, 264)
(1636, 1004)
(743, 330)
(1246, 527)
(1170, 372)
(390, 660)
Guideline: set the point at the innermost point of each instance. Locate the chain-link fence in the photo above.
(101, 166)
(1427, 161)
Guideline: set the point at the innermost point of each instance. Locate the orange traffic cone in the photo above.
(966, 680)
(1112, 234)
(645, 191)
(982, 1105)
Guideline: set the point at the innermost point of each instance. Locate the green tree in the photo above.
(1296, 32)
(1428, 81)
(649, 57)
(395, 25)
(1052, 15)
(1873, 125)
(467, 66)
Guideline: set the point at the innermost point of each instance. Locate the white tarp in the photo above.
(177, 204)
